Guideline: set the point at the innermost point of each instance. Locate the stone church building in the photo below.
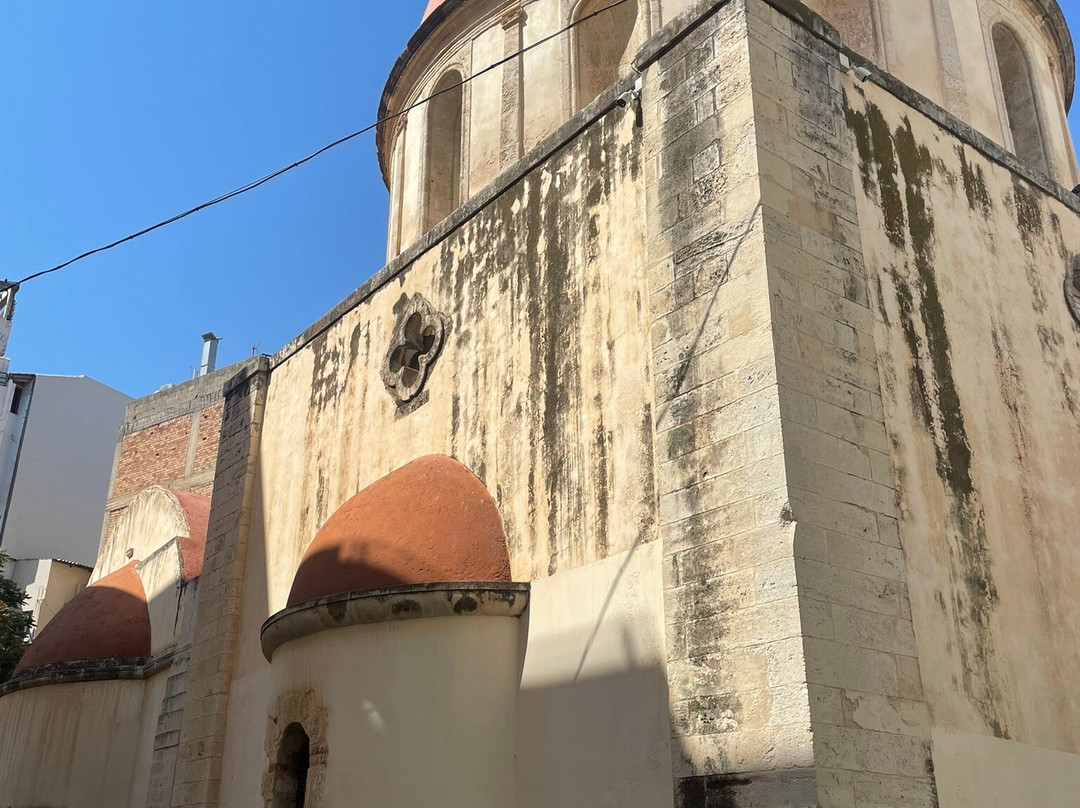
(710, 440)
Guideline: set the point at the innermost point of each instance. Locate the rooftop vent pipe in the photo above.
(209, 353)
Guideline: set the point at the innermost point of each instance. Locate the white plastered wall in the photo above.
(83, 745)
(419, 712)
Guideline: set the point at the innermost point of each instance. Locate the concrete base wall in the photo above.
(973, 771)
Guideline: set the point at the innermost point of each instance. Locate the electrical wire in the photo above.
(251, 186)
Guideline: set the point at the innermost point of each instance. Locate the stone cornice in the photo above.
(393, 603)
(91, 670)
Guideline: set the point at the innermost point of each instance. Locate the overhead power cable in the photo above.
(251, 186)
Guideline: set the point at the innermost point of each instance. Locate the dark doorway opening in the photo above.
(293, 761)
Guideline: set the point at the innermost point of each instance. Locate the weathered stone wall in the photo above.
(863, 499)
(942, 48)
(736, 671)
(806, 332)
(979, 358)
(870, 722)
(542, 389)
(191, 760)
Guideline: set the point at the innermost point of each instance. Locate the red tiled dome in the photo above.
(431, 521)
(107, 620)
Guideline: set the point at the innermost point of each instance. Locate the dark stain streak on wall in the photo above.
(974, 177)
(897, 170)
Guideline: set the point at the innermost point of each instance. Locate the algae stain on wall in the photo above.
(896, 171)
(542, 388)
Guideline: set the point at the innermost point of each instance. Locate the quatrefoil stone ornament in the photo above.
(1072, 288)
(417, 340)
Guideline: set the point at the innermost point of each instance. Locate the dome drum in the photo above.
(407, 602)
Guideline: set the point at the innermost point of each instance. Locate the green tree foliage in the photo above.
(15, 624)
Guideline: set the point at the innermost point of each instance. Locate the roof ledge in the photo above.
(90, 670)
(482, 599)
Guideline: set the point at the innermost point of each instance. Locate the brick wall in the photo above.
(209, 431)
(171, 439)
(155, 455)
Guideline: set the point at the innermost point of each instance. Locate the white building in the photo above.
(57, 438)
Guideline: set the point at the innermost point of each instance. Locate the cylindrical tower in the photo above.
(1006, 67)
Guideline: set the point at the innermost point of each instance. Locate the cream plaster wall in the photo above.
(49, 584)
(161, 580)
(418, 712)
(485, 112)
(153, 519)
(79, 745)
(981, 396)
(593, 724)
(592, 721)
(542, 388)
(1006, 774)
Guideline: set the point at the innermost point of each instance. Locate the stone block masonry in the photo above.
(870, 723)
(209, 677)
(741, 717)
(793, 673)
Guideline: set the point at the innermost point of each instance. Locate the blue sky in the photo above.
(116, 114)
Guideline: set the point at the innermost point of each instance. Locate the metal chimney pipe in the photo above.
(209, 353)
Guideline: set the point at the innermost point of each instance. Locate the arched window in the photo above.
(291, 772)
(1018, 90)
(603, 47)
(397, 194)
(444, 135)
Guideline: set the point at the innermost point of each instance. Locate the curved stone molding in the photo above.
(92, 670)
(393, 603)
(417, 340)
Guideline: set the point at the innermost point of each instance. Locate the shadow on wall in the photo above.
(334, 571)
(597, 725)
(601, 739)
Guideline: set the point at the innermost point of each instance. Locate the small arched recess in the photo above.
(291, 771)
(442, 192)
(1018, 93)
(603, 47)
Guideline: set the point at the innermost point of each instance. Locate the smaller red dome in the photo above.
(107, 620)
(431, 521)
(193, 546)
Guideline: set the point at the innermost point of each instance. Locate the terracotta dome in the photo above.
(193, 546)
(431, 6)
(431, 521)
(107, 620)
